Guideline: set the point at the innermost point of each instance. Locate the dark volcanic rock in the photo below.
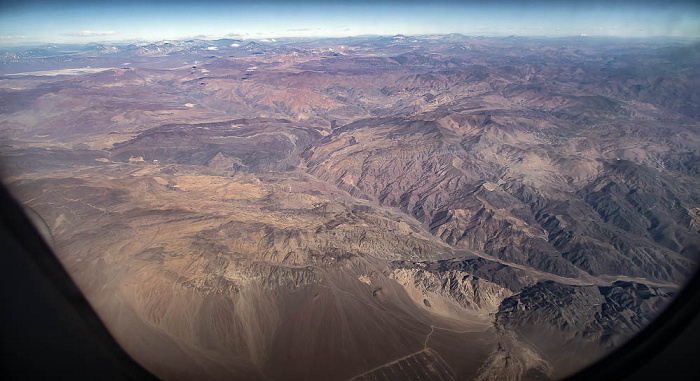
(571, 325)
(260, 145)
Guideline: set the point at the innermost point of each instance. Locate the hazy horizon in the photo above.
(335, 202)
(78, 22)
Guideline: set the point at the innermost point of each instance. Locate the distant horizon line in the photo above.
(18, 42)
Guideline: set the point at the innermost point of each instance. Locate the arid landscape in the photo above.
(369, 208)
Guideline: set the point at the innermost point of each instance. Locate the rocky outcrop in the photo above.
(581, 322)
(470, 292)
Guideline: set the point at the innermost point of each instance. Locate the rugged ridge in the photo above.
(368, 207)
(581, 322)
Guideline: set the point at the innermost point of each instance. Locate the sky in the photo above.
(30, 21)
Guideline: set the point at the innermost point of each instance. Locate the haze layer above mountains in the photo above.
(373, 208)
